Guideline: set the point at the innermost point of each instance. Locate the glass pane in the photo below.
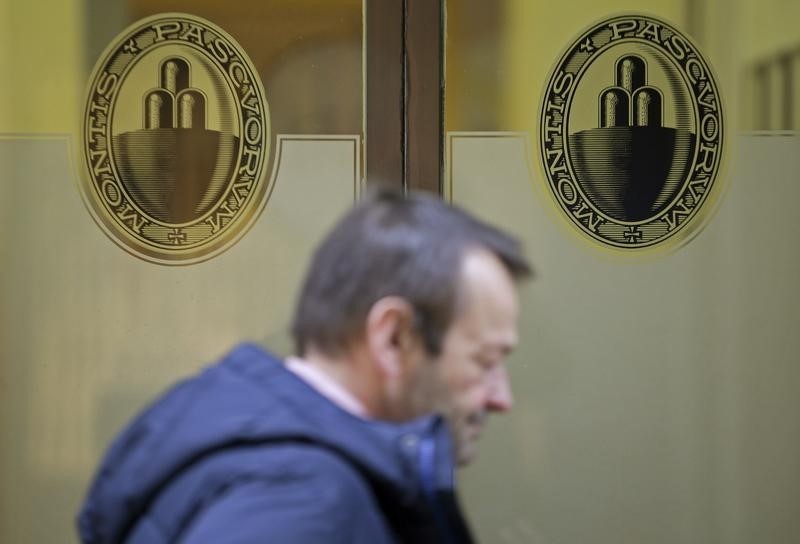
(655, 393)
(90, 327)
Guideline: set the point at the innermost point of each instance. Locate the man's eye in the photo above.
(485, 362)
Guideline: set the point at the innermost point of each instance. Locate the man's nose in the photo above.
(500, 398)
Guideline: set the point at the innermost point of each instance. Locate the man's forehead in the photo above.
(485, 283)
(488, 306)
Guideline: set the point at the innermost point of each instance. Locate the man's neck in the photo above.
(347, 383)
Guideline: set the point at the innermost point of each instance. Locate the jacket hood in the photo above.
(251, 398)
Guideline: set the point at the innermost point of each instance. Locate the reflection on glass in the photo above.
(498, 55)
(308, 53)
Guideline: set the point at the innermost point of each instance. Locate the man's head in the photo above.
(423, 295)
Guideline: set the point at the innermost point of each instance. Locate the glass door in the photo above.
(656, 382)
(166, 169)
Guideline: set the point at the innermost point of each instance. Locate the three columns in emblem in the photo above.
(631, 102)
(174, 104)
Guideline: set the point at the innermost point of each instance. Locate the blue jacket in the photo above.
(248, 452)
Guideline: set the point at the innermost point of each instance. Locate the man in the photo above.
(409, 308)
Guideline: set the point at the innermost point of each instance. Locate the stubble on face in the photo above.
(467, 380)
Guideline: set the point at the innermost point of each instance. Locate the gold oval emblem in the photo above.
(631, 134)
(176, 140)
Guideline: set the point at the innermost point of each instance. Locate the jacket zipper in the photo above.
(427, 466)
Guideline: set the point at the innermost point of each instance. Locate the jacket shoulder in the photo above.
(293, 492)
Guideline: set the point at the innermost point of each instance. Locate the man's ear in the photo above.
(390, 334)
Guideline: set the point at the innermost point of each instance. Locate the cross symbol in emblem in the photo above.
(176, 236)
(633, 234)
(130, 47)
(586, 45)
